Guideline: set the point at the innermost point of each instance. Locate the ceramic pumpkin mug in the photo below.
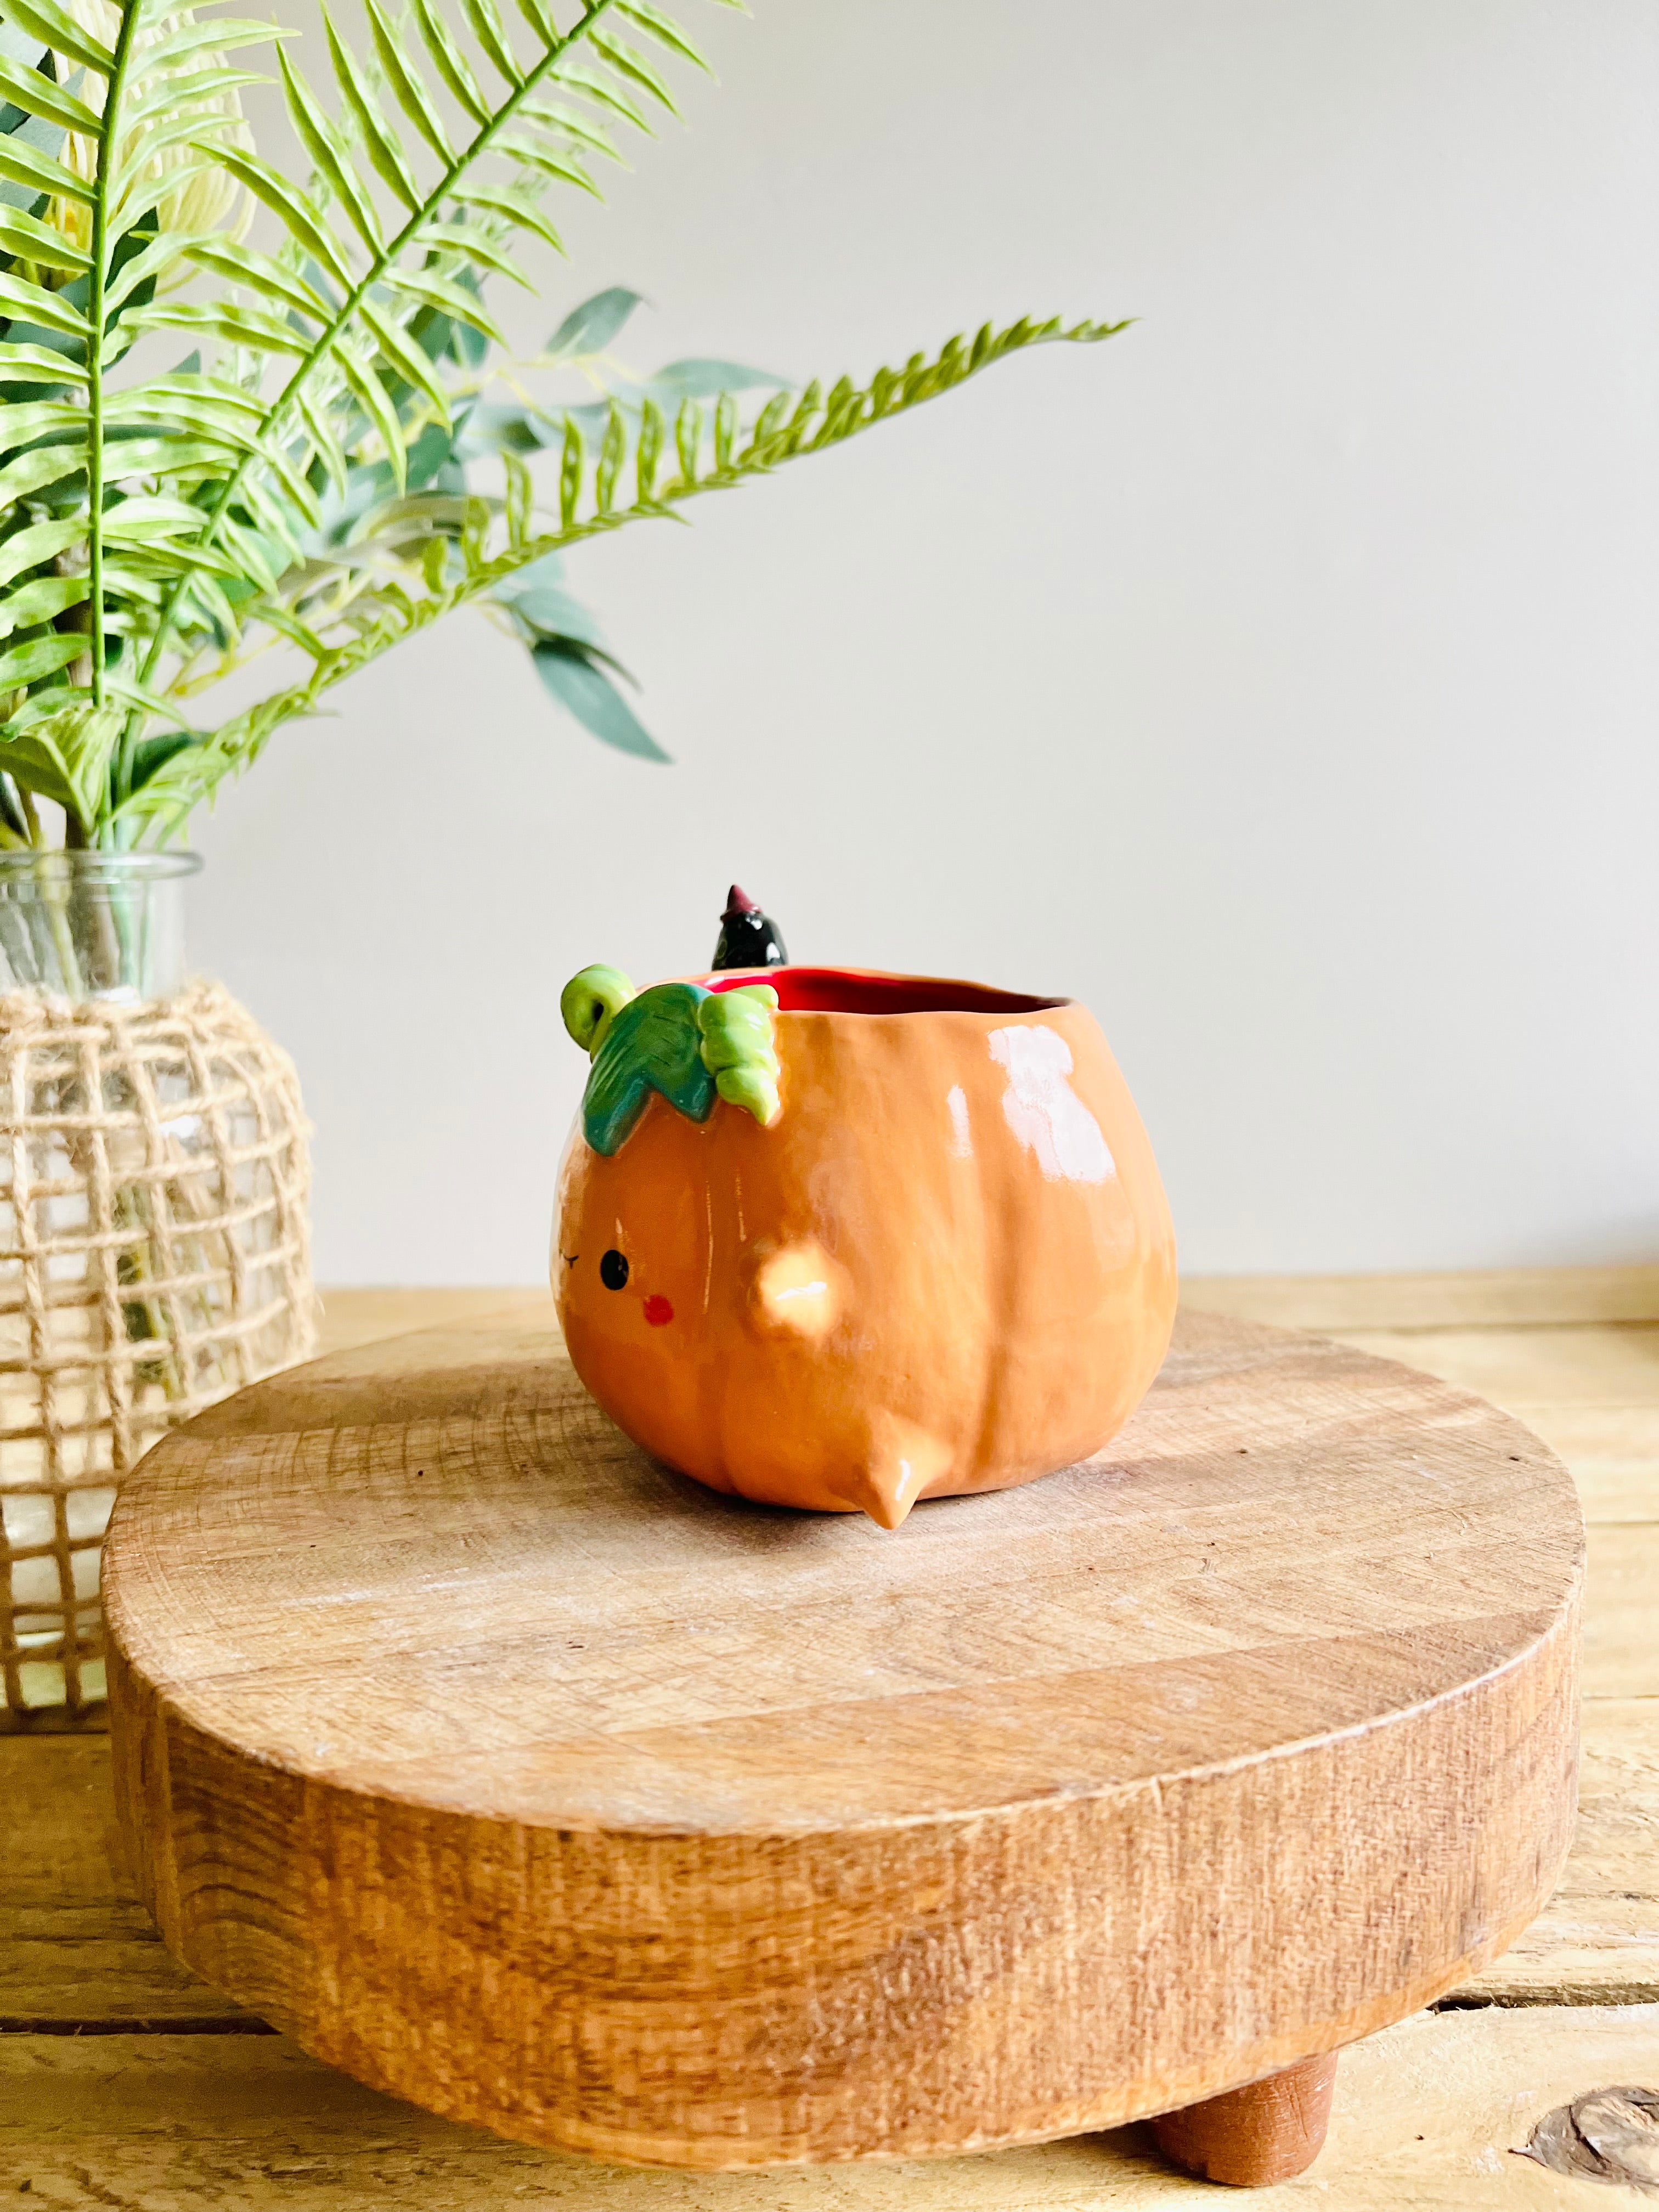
(845, 1240)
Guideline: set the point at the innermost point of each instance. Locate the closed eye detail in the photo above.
(613, 1270)
(570, 1258)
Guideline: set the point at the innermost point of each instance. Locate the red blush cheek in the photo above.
(658, 1311)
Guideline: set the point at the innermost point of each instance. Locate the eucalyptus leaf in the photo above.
(569, 676)
(432, 464)
(707, 380)
(591, 327)
(555, 614)
(497, 427)
(538, 597)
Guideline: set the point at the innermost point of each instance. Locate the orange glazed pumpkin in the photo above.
(944, 1263)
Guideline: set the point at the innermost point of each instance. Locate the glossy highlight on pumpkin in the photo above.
(946, 1264)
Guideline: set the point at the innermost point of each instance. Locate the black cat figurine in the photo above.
(748, 938)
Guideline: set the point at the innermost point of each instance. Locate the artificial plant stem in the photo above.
(325, 343)
(99, 279)
(55, 897)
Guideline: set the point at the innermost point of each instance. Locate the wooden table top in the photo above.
(214, 2116)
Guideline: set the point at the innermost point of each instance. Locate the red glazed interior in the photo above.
(852, 991)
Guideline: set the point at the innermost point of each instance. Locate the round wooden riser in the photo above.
(523, 1778)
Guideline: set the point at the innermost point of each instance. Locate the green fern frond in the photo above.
(303, 477)
(372, 268)
(789, 426)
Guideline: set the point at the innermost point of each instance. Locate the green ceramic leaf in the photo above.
(652, 1043)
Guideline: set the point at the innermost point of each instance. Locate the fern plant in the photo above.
(330, 467)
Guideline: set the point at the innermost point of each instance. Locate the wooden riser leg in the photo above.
(1267, 2132)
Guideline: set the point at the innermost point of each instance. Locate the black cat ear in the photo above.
(748, 938)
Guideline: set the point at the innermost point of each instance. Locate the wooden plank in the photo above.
(351, 1317)
(1481, 1299)
(1428, 2115)
(1473, 1299)
(1590, 1392)
(1595, 1364)
(1611, 1451)
(77, 1948)
(1597, 1940)
(1621, 1612)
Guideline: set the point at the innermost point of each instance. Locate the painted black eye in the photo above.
(613, 1271)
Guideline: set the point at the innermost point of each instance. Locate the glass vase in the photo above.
(94, 925)
(154, 1239)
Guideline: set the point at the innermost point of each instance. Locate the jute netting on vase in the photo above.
(153, 1256)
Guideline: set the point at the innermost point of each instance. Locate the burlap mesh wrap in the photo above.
(153, 1256)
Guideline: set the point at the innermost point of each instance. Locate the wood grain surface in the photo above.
(518, 1777)
(79, 1953)
(1428, 2114)
(1429, 2117)
(1490, 1299)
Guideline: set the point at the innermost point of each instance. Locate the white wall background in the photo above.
(1281, 678)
